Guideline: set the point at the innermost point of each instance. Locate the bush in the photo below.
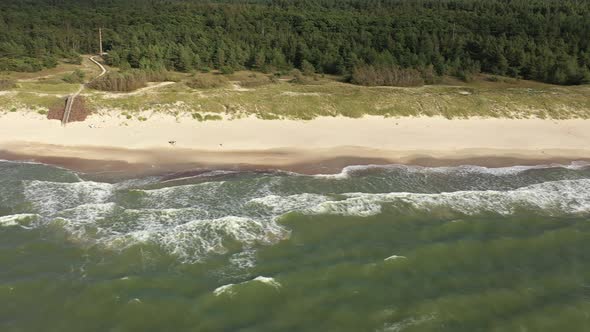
(129, 80)
(226, 70)
(6, 83)
(465, 76)
(207, 82)
(212, 117)
(493, 79)
(300, 78)
(254, 80)
(386, 76)
(307, 68)
(429, 75)
(76, 77)
(207, 117)
(297, 77)
(74, 59)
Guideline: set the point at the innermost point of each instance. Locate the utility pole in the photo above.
(100, 40)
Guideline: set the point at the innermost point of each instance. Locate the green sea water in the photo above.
(392, 248)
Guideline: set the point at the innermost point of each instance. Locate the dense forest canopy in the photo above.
(544, 40)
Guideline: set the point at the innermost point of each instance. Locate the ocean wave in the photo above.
(406, 323)
(51, 197)
(195, 240)
(565, 196)
(231, 289)
(16, 219)
(180, 196)
(195, 221)
(283, 204)
(349, 171)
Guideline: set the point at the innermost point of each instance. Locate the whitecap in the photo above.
(394, 257)
(225, 289)
(230, 289)
(348, 171)
(51, 197)
(283, 204)
(269, 281)
(16, 219)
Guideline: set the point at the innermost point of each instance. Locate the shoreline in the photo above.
(124, 163)
(108, 143)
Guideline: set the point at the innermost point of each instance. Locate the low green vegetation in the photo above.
(285, 99)
(129, 80)
(304, 94)
(6, 83)
(207, 81)
(75, 77)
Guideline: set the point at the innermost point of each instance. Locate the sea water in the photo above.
(374, 248)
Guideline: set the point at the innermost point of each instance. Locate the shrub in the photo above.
(129, 80)
(307, 68)
(6, 83)
(76, 77)
(212, 117)
(74, 59)
(429, 75)
(226, 70)
(207, 82)
(465, 76)
(301, 78)
(254, 80)
(386, 76)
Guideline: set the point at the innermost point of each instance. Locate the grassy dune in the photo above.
(247, 93)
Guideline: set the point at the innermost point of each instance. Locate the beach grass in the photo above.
(269, 97)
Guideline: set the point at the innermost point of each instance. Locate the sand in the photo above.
(324, 143)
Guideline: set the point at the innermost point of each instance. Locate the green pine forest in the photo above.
(363, 40)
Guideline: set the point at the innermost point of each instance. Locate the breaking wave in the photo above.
(217, 216)
(231, 289)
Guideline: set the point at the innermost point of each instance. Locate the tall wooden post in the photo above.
(100, 40)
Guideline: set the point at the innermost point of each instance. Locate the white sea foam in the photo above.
(196, 220)
(231, 289)
(225, 289)
(283, 204)
(193, 241)
(181, 196)
(88, 212)
(244, 259)
(394, 257)
(347, 171)
(16, 219)
(207, 174)
(408, 322)
(565, 196)
(269, 281)
(51, 197)
(353, 206)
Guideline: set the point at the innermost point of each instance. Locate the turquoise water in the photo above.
(391, 248)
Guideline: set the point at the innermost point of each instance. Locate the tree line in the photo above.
(543, 40)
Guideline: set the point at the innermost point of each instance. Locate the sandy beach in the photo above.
(315, 146)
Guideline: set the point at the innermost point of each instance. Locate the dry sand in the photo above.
(323, 144)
